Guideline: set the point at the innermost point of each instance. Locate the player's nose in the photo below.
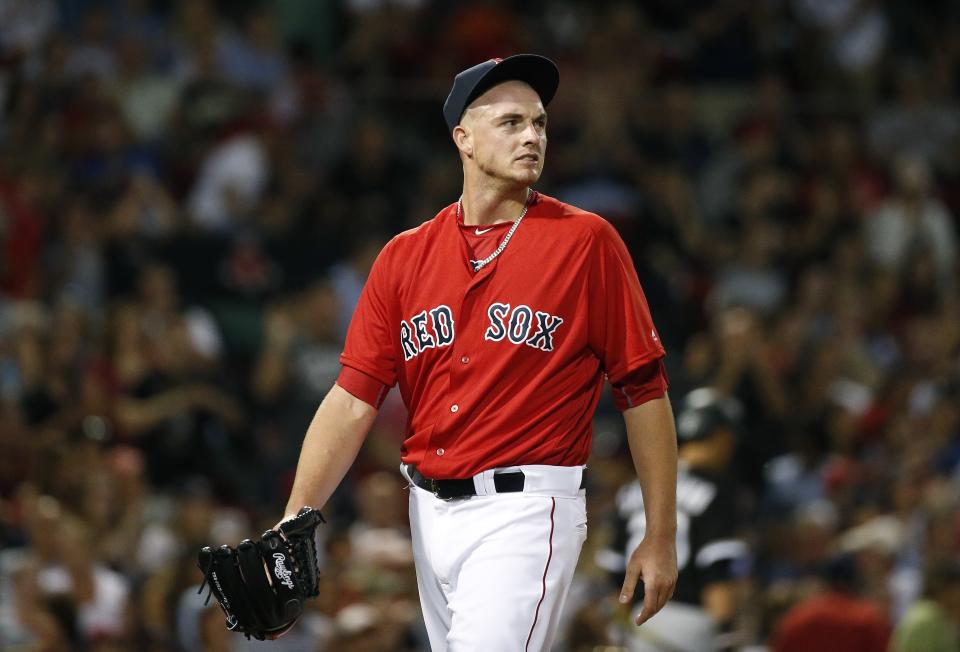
(532, 135)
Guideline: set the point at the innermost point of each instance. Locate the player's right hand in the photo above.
(655, 563)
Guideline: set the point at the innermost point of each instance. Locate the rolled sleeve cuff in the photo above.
(362, 386)
(643, 384)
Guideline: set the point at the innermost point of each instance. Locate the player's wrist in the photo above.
(661, 535)
(288, 514)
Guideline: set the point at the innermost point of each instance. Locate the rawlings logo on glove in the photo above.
(254, 602)
(281, 571)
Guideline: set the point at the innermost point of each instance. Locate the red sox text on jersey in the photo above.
(503, 366)
(519, 325)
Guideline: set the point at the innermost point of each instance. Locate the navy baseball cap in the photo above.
(540, 72)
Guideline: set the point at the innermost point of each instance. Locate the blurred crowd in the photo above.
(192, 193)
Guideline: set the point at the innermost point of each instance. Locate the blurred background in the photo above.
(192, 193)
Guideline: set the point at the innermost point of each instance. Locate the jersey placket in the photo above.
(460, 365)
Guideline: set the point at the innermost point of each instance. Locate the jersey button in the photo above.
(464, 359)
(440, 452)
(454, 407)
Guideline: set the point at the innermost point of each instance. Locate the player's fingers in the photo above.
(634, 573)
(651, 602)
(668, 592)
(660, 590)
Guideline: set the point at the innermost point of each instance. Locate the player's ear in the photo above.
(463, 138)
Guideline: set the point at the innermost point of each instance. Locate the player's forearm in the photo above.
(653, 446)
(329, 448)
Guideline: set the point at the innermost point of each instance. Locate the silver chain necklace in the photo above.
(480, 264)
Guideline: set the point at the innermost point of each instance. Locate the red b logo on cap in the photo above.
(497, 59)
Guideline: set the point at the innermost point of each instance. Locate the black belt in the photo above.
(510, 481)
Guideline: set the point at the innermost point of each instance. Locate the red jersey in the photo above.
(504, 366)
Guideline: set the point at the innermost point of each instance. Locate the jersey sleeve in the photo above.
(621, 330)
(370, 347)
(641, 385)
(362, 386)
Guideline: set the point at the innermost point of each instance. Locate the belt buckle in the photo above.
(435, 490)
(433, 487)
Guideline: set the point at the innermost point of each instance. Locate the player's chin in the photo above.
(527, 174)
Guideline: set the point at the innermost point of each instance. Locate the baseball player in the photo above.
(500, 319)
(704, 603)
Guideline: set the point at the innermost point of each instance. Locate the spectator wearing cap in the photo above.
(836, 620)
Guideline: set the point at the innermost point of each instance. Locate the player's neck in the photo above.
(492, 205)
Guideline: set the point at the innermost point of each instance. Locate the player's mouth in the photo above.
(531, 158)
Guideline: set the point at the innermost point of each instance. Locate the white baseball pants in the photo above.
(494, 570)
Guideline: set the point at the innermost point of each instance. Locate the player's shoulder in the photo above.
(575, 218)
